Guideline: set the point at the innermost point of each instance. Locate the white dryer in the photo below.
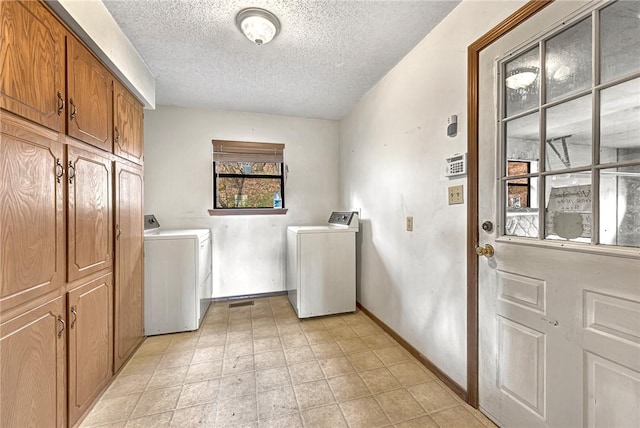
(177, 279)
(321, 266)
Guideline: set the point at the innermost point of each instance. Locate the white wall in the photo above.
(248, 251)
(392, 150)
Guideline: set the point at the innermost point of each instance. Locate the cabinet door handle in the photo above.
(117, 134)
(74, 110)
(75, 317)
(62, 326)
(72, 172)
(59, 170)
(60, 103)
(118, 232)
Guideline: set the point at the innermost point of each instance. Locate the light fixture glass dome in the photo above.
(258, 25)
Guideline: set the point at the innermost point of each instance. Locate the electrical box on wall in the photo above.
(456, 165)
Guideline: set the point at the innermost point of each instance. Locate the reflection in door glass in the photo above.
(523, 140)
(569, 134)
(568, 207)
(568, 61)
(521, 205)
(620, 206)
(620, 39)
(522, 82)
(620, 122)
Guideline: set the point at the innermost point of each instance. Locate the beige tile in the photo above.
(305, 372)
(314, 394)
(238, 365)
(127, 385)
(285, 329)
(333, 322)
(378, 341)
(153, 348)
(265, 331)
(350, 346)
(141, 364)
(240, 336)
(366, 329)
(294, 340)
(314, 324)
(157, 401)
(364, 412)
(481, 417)
(344, 332)
(324, 417)
(299, 355)
(176, 359)
(266, 344)
(269, 359)
(119, 424)
(327, 350)
(237, 349)
(391, 355)
(195, 417)
(399, 405)
(210, 353)
(287, 421)
(239, 325)
(409, 373)
(272, 378)
(365, 361)
(179, 344)
(237, 385)
(238, 411)
(276, 402)
(216, 339)
(348, 387)
(379, 380)
(217, 328)
(157, 421)
(336, 366)
(432, 397)
(204, 371)
(288, 318)
(263, 321)
(198, 393)
(421, 422)
(319, 336)
(109, 410)
(165, 378)
(456, 416)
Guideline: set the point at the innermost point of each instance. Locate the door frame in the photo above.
(473, 59)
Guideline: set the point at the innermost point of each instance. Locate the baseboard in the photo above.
(248, 296)
(453, 385)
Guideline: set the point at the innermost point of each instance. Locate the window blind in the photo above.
(242, 151)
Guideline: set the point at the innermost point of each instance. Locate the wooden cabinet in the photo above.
(127, 121)
(32, 63)
(90, 91)
(32, 366)
(89, 211)
(31, 212)
(90, 315)
(129, 269)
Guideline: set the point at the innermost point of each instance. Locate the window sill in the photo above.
(248, 211)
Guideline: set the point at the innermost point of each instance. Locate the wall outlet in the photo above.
(456, 195)
(409, 224)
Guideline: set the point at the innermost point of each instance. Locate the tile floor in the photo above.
(260, 366)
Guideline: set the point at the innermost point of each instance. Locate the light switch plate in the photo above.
(409, 224)
(456, 195)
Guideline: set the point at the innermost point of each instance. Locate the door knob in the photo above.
(485, 250)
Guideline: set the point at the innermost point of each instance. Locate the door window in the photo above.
(569, 122)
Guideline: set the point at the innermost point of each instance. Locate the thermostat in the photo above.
(456, 165)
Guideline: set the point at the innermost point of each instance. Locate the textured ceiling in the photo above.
(325, 59)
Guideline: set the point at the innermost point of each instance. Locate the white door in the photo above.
(559, 156)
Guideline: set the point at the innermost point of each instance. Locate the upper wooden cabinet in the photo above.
(89, 212)
(32, 63)
(32, 368)
(90, 90)
(31, 212)
(127, 121)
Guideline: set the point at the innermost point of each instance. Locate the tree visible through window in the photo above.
(247, 175)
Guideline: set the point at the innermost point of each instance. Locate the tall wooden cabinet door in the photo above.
(129, 311)
(90, 97)
(90, 228)
(31, 212)
(32, 63)
(90, 317)
(32, 368)
(128, 125)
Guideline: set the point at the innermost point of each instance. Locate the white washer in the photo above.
(177, 278)
(321, 266)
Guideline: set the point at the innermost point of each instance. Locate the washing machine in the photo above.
(177, 278)
(321, 266)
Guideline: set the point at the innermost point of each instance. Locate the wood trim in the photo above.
(452, 384)
(473, 57)
(248, 211)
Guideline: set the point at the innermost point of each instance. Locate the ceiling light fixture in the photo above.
(521, 77)
(259, 25)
